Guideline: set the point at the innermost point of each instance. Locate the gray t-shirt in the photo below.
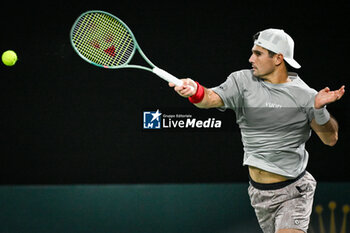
(274, 120)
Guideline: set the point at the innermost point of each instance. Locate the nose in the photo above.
(251, 59)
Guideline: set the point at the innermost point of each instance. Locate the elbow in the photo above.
(332, 140)
(331, 143)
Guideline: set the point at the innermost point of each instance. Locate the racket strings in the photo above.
(103, 40)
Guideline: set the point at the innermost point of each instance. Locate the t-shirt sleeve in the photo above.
(310, 104)
(305, 96)
(231, 91)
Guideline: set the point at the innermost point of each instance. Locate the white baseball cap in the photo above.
(277, 41)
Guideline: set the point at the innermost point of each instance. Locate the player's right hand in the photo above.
(189, 88)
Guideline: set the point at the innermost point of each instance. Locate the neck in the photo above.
(278, 76)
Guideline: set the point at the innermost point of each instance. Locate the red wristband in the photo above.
(198, 97)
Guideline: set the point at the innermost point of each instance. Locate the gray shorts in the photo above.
(285, 205)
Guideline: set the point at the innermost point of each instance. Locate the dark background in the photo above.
(64, 121)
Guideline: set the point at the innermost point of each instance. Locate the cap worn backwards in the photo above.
(278, 41)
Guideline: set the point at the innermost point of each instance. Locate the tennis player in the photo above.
(275, 110)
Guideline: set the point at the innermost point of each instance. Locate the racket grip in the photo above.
(167, 77)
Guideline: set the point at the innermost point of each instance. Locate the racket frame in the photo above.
(154, 69)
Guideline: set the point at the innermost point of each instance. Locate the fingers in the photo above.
(326, 89)
(340, 92)
(188, 88)
(327, 96)
(186, 91)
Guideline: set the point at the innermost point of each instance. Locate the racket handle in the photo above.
(166, 76)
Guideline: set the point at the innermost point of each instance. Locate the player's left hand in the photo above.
(326, 96)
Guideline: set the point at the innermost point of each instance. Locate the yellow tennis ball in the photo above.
(9, 58)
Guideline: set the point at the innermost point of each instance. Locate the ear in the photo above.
(278, 59)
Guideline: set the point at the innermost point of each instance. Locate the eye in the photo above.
(256, 53)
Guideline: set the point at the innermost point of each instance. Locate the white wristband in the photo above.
(321, 116)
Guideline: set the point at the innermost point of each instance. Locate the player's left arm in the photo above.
(327, 132)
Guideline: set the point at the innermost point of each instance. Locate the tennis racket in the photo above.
(105, 41)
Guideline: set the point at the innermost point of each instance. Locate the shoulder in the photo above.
(300, 89)
(243, 77)
(242, 74)
(300, 85)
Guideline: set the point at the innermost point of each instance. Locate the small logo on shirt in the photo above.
(272, 105)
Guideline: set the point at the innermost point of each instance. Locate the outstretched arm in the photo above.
(328, 131)
(190, 88)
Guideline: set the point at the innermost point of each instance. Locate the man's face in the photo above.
(262, 63)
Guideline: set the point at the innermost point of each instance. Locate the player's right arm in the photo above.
(189, 88)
